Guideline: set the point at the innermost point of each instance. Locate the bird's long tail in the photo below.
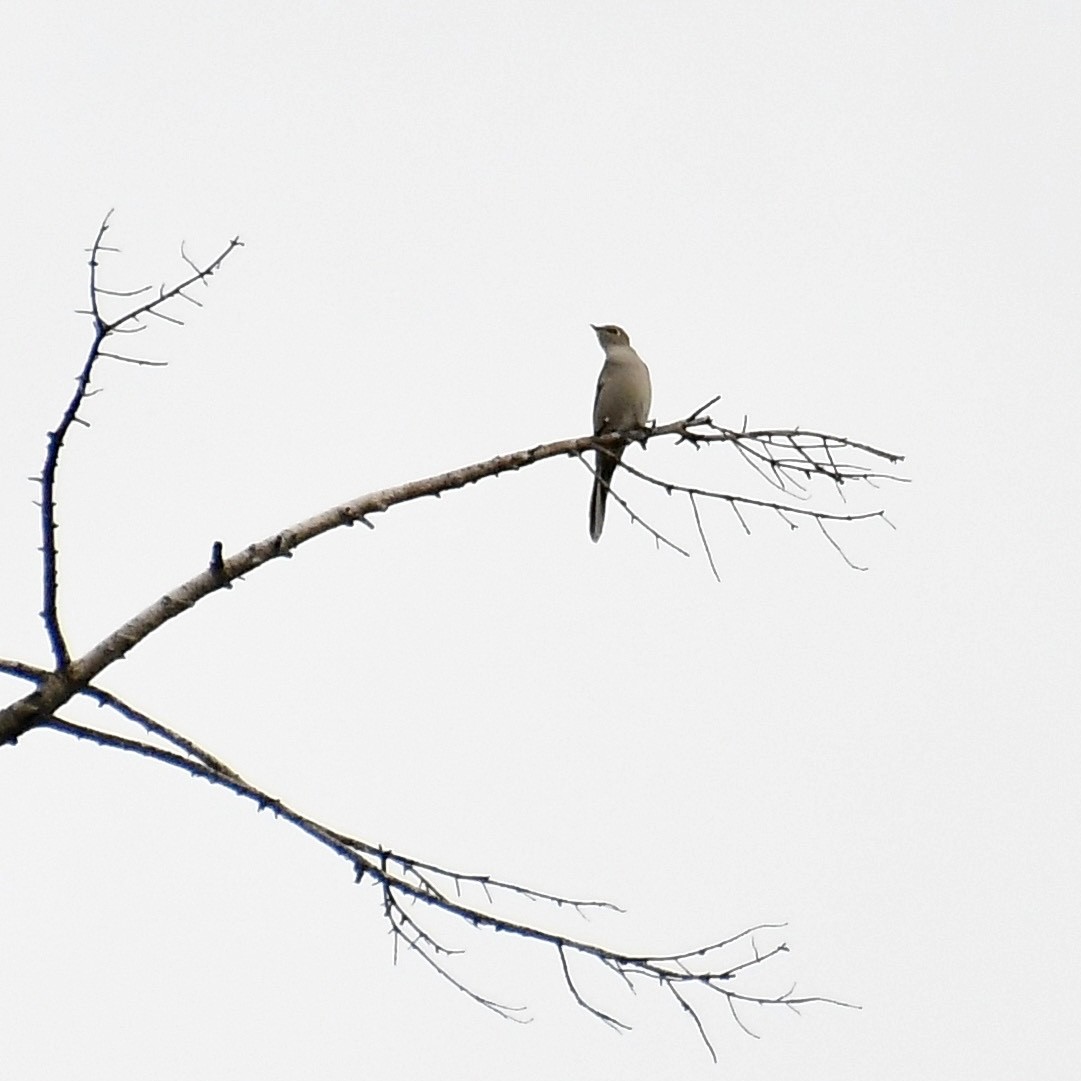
(606, 466)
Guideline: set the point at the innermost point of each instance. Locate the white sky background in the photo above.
(863, 220)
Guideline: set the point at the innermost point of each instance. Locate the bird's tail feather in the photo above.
(606, 466)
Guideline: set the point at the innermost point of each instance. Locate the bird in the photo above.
(624, 395)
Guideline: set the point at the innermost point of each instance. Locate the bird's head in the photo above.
(610, 335)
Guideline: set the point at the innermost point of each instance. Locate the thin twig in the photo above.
(702, 535)
(608, 1019)
(659, 537)
(837, 548)
(696, 1019)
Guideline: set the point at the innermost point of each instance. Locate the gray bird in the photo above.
(623, 399)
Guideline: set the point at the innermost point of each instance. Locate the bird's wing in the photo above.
(599, 407)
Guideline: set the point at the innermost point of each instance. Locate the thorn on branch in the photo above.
(282, 547)
(217, 565)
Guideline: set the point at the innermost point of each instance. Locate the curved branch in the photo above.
(61, 685)
(397, 880)
(102, 329)
(49, 611)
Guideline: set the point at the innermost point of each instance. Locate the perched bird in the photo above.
(623, 399)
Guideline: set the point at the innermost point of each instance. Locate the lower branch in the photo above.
(719, 966)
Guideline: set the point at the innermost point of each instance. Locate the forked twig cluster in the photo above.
(788, 459)
(409, 887)
(130, 322)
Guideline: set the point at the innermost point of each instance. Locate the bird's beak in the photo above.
(594, 326)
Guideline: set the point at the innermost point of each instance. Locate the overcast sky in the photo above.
(858, 218)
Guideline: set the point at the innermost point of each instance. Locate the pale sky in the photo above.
(857, 218)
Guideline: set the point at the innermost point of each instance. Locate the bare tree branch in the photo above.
(73, 675)
(411, 890)
(104, 698)
(102, 329)
(395, 876)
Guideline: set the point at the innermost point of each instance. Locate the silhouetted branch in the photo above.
(790, 460)
(102, 329)
(398, 879)
(816, 457)
(75, 674)
(128, 713)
